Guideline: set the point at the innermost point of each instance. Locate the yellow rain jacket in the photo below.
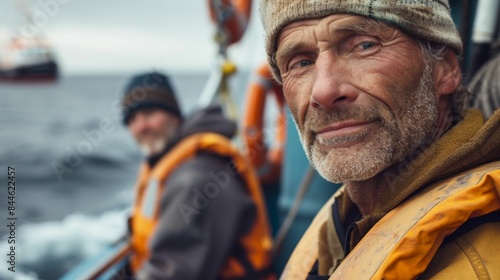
(448, 192)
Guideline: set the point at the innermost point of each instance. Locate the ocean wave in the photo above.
(49, 249)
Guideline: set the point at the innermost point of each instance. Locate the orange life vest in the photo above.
(256, 243)
(402, 244)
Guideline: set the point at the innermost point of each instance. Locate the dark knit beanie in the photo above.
(150, 90)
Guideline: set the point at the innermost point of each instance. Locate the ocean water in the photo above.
(76, 166)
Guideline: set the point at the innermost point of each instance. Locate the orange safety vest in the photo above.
(256, 244)
(402, 244)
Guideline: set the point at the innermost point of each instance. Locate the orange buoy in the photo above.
(267, 160)
(232, 15)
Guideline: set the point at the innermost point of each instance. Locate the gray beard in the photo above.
(152, 149)
(159, 145)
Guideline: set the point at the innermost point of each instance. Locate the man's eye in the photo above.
(301, 63)
(366, 45)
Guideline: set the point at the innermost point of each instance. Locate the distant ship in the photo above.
(28, 59)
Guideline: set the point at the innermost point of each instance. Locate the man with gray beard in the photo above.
(198, 210)
(375, 91)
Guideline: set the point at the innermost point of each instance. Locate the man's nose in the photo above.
(331, 87)
(139, 123)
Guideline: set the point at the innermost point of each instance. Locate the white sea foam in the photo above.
(48, 249)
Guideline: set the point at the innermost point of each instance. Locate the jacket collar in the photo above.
(469, 143)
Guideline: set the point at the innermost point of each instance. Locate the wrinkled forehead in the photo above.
(337, 24)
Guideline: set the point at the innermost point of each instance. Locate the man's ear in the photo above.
(447, 74)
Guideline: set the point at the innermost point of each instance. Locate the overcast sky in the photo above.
(117, 36)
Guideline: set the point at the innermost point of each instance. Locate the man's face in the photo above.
(361, 93)
(152, 129)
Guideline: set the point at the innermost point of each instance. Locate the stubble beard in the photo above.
(399, 133)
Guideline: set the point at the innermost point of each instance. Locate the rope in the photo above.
(218, 82)
(228, 69)
(485, 84)
(223, 12)
(485, 87)
(287, 223)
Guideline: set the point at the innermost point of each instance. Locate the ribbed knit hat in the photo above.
(425, 19)
(149, 90)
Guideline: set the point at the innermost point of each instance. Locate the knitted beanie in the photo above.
(424, 19)
(150, 90)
